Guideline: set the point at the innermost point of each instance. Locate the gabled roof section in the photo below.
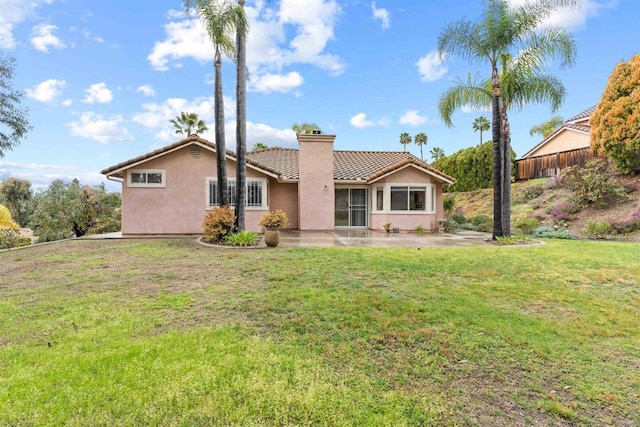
(368, 166)
(117, 170)
(282, 163)
(570, 125)
(584, 115)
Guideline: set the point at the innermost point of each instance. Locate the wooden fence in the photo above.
(551, 164)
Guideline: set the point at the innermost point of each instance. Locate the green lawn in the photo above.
(167, 332)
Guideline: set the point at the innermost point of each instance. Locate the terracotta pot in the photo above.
(272, 237)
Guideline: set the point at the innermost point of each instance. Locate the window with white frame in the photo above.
(146, 178)
(412, 198)
(256, 193)
(378, 201)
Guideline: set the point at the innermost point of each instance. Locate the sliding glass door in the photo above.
(351, 207)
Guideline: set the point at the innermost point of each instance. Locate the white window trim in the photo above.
(430, 208)
(162, 184)
(265, 203)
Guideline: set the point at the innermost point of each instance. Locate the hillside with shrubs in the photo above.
(585, 203)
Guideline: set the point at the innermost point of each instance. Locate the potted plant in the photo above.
(272, 222)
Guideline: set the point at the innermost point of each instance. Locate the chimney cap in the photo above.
(316, 132)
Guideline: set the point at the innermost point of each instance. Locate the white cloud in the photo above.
(294, 33)
(185, 39)
(98, 93)
(47, 90)
(103, 130)
(413, 118)
(431, 67)
(156, 116)
(42, 37)
(572, 17)
(87, 35)
(146, 90)
(382, 15)
(41, 175)
(360, 121)
(15, 12)
(267, 83)
(67, 102)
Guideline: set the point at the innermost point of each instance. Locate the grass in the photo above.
(166, 332)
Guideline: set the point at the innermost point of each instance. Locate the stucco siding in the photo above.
(179, 207)
(285, 197)
(564, 141)
(409, 220)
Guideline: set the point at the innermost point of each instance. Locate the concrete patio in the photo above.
(371, 238)
(352, 237)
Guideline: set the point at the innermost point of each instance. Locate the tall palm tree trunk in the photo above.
(497, 157)
(221, 161)
(241, 125)
(506, 177)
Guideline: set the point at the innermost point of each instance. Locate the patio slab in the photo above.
(371, 238)
(350, 237)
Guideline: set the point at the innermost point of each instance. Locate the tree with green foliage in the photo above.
(421, 140)
(615, 124)
(547, 128)
(481, 124)
(16, 195)
(305, 128)
(6, 221)
(259, 146)
(69, 209)
(15, 123)
(517, 48)
(188, 124)
(405, 139)
(436, 153)
(471, 167)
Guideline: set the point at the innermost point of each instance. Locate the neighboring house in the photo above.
(169, 190)
(569, 145)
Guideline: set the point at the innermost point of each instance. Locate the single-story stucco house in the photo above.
(169, 190)
(569, 145)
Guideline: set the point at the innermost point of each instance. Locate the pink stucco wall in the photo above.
(285, 196)
(409, 220)
(179, 207)
(316, 193)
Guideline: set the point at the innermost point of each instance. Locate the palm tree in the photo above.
(241, 117)
(305, 127)
(259, 146)
(188, 124)
(421, 139)
(517, 49)
(481, 124)
(547, 128)
(436, 154)
(220, 18)
(405, 139)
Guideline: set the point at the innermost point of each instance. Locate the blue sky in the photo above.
(102, 79)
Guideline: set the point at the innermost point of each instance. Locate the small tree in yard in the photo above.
(69, 209)
(16, 195)
(615, 124)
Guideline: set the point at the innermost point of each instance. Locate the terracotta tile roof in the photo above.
(283, 161)
(347, 165)
(582, 128)
(178, 144)
(586, 113)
